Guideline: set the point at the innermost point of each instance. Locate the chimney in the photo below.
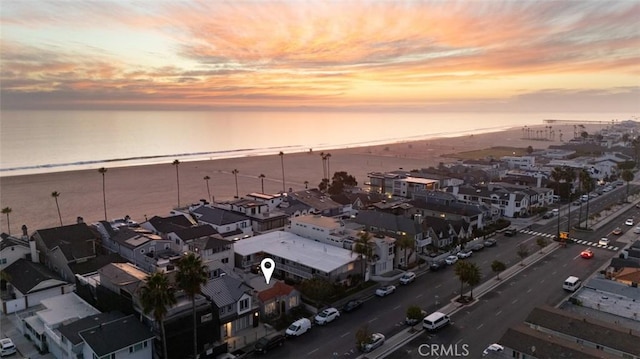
(34, 251)
(79, 220)
(24, 232)
(539, 183)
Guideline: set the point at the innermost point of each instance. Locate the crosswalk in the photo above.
(574, 240)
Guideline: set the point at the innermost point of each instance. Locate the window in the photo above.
(135, 348)
(225, 260)
(244, 304)
(293, 302)
(3, 260)
(270, 307)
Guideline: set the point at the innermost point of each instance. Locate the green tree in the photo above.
(462, 272)
(341, 180)
(362, 247)
(407, 244)
(155, 296)
(541, 242)
(529, 150)
(7, 211)
(497, 267)
(363, 336)
(318, 289)
(190, 278)
(414, 313)
(588, 185)
(324, 185)
(103, 171)
(627, 176)
(473, 277)
(55, 195)
(176, 163)
(522, 252)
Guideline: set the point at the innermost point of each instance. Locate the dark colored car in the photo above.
(265, 344)
(352, 305)
(510, 232)
(437, 265)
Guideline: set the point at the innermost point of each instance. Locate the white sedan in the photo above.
(629, 222)
(385, 291)
(451, 260)
(603, 241)
(492, 348)
(327, 316)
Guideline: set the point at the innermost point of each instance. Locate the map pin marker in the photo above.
(267, 266)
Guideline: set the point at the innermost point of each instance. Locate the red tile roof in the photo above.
(279, 289)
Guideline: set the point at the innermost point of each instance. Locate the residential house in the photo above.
(278, 300)
(503, 201)
(319, 202)
(473, 214)
(217, 254)
(233, 306)
(264, 215)
(72, 344)
(136, 245)
(441, 232)
(297, 258)
(273, 201)
(42, 327)
(124, 337)
(60, 247)
(520, 162)
(401, 183)
(181, 238)
(162, 226)
(355, 201)
(229, 224)
(12, 249)
(29, 283)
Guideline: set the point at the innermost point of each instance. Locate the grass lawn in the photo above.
(486, 153)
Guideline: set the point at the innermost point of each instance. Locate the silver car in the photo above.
(377, 339)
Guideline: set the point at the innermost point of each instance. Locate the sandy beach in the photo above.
(152, 190)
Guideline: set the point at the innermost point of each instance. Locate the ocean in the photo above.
(52, 141)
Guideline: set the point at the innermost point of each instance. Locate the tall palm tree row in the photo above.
(55, 195)
(7, 211)
(177, 164)
(103, 171)
(156, 295)
(190, 278)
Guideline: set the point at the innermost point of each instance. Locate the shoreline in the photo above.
(149, 190)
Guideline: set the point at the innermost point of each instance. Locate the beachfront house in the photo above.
(319, 202)
(60, 247)
(230, 225)
(297, 258)
(234, 306)
(401, 183)
(181, 238)
(265, 216)
(13, 248)
(29, 283)
(162, 226)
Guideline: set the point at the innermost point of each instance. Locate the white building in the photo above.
(520, 162)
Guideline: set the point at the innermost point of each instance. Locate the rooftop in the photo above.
(116, 335)
(289, 246)
(64, 307)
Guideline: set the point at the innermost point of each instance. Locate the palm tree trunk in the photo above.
(164, 341)
(461, 289)
(282, 165)
(586, 224)
(195, 329)
(59, 215)
(8, 224)
(104, 198)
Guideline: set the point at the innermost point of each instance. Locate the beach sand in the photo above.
(145, 191)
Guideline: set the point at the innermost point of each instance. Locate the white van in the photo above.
(435, 321)
(571, 284)
(298, 327)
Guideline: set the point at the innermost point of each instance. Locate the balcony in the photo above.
(295, 271)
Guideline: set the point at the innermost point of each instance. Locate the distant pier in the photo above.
(550, 120)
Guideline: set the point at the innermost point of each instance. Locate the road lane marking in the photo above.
(529, 290)
(345, 334)
(419, 295)
(564, 265)
(554, 272)
(372, 320)
(438, 286)
(313, 351)
(514, 301)
(396, 307)
(497, 314)
(479, 326)
(458, 342)
(542, 281)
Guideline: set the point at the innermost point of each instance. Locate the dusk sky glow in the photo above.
(340, 55)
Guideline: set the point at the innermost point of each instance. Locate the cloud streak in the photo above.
(202, 54)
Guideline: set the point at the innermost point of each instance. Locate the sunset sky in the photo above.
(315, 55)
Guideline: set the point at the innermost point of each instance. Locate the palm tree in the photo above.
(586, 182)
(406, 243)
(262, 176)
(102, 171)
(557, 176)
(328, 157)
(306, 184)
(191, 275)
(206, 179)
(155, 296)
(324, 166)
(362, 247)
(7, 211)
(55, 195)
(462, 272)
(627, 176)
(235, 174)
(281, 154)
(177, 164)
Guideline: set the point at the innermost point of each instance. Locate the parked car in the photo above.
(475, 246)
(407, 278)
(7, 347)
(451, 260)
(510, 232)
(636, 230)
(547, 215)
(376, 340)
(265, 344)
(492, 348)
(490, 242)
(298, 327)
(603, 241)
(586, 254)
(385, 291)
(437, 265)
(629, 222)
(617, 231)
(327, 316)
(464, 254)
(352, 305)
